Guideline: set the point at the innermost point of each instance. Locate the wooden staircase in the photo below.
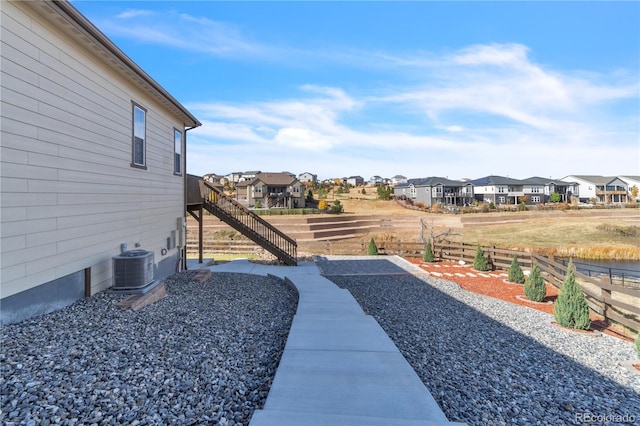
(249, 224)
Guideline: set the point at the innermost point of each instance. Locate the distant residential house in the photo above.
(631, 182)
(540, 190)
(498, 189)
(248, 175)
(407, 189)
(398, 179)
(214, 179)
(307, 177)
(376, 180)
(233, 177)
(603, 189)
(353, 181)
(93, 160)
(436, 190)
(268, 190)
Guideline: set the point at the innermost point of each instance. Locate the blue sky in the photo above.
(456, 89)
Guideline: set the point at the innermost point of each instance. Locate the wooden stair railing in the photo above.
(250, 225)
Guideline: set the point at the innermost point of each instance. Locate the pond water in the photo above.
(619, 268)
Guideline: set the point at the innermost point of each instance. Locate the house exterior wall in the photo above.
(631, 182)
(307, 177)
(70, 196)
(586, 189)
(422, 194)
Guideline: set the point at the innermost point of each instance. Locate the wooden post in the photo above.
(87, 282)
(605, 294)
(200, 243)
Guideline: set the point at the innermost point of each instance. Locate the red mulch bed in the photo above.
(493, 285)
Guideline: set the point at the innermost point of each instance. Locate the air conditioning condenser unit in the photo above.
(133, 271)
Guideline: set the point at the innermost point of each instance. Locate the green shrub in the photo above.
(638, 345)
(428, 253)
(336, 207)
(515, 271)
(570, 309)
(534, 287)
(480, 262)
(372, 249)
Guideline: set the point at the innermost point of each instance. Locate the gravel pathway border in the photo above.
(487, 361)
(205, 354)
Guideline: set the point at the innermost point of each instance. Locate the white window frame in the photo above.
(177, 152)
(138, 136)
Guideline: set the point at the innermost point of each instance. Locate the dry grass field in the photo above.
(597, 234)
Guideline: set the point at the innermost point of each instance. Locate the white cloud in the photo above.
(134, 13)
(294, 138)
(183, 31)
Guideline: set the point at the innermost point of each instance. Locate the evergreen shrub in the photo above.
(428, 253)
(372, 249)
(534, 287)
(571, 309)
(480, 262)
(515, 271)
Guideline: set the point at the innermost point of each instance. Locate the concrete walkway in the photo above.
(339, 367)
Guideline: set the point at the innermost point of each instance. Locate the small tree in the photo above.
(336, 207)
(384, 192)
(310, 195)
(428, 253)
(372, 249)
(638, 345)
(555, 197)
(571, 309)
(515, 271)
(480, 262)
(534, 287)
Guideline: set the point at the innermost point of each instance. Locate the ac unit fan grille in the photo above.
(133, 269)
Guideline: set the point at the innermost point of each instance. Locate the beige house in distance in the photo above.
(268, 190)
(92, 161)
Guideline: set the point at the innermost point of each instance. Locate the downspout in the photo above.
(182, 253)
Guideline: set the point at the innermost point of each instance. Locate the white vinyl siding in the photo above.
(68, 191)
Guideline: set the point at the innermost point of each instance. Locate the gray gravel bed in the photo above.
(206, 354)
(489, 362)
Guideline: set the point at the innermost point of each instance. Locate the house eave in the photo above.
(66, 17)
